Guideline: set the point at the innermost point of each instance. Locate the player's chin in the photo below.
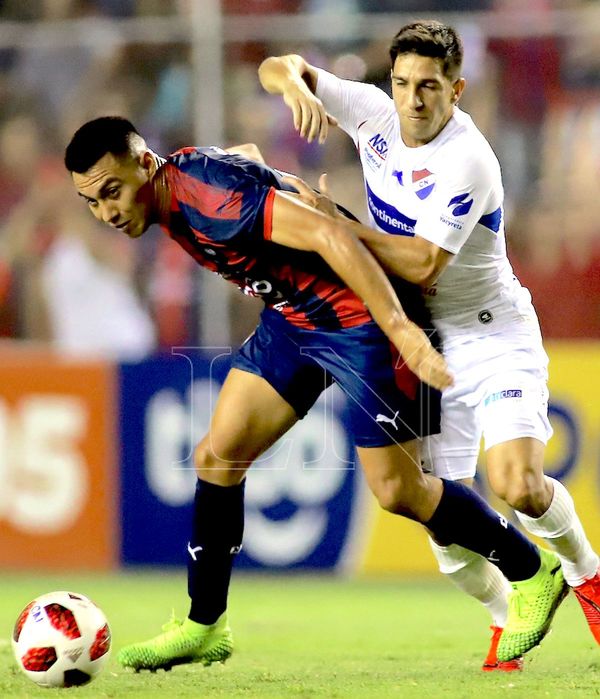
(136, 230)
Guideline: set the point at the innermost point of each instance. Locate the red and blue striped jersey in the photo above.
(221, 214)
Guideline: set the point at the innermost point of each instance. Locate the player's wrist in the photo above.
(400, 325)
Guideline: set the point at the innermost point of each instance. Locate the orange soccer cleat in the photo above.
(588, 595)
(491, 662)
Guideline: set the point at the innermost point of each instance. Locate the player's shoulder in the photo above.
(377, 94)
(365, 99)
(378, 125)
(380, 104)
(466, 136)
(464, 146)
(325, 80)
(206, 158)
(214, 165)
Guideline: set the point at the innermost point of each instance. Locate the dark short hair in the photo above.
(433, 39)
(96, 138)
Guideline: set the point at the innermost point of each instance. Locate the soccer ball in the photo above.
(61, 639)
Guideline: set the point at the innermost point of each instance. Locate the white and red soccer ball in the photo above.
(61, 639)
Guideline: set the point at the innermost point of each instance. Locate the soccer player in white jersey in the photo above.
(434, 193)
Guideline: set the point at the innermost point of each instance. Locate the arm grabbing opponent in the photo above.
(297, 225)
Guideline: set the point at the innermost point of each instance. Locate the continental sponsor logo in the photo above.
(388, 218)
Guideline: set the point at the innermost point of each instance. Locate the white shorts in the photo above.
(500, 394)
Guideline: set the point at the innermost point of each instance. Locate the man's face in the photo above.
(423, 96)
(118, 192)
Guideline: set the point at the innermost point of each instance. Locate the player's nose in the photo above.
(414, 98)
(109, 213)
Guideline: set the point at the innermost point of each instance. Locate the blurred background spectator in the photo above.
(533, 72)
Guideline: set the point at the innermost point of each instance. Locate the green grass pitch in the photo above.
(315, 637)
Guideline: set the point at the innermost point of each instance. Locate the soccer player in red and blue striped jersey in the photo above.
(331, 314)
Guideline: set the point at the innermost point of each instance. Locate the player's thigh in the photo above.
(387, 404)
(453, 453)
(275, 352)
(514, 416)
(249, 417)
(514, 405)
(394, 475)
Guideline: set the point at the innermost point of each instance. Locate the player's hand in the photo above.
(321, 201)
(422, 359)
(310, 118)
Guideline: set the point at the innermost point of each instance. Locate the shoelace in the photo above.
(519, 603)
(173, 622)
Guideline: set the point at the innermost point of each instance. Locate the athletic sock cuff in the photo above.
(558, 518)
(451, 558)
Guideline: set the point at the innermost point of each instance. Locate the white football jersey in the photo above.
(448, 191)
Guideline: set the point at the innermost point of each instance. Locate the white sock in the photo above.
(476, 576)
(561, 528)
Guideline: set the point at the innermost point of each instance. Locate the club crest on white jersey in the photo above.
(422, 181)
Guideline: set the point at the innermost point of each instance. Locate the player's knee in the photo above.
(204, 458)
(213, 468)
(530, 501)
(525, 492)
(393, 495)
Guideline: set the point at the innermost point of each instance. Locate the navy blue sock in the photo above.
(217, 530)
(464, 518)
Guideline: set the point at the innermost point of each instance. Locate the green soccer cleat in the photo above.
(531, 606)
(180, 642)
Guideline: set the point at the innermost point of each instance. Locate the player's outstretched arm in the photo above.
(296, 80)
(415, 259)
(296, 225)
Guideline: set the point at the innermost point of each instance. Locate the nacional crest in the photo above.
(423, 183)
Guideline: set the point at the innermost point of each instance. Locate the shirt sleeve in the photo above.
(463, 195)
(219, 199)
(350, 102)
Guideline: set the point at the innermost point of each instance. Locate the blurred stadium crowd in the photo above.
(68, 282)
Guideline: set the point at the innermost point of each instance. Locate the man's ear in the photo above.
(458, 88)
(148, 162)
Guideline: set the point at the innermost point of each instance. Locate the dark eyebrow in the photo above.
(88, 199)
(102, 191)
(424, 81)
(107, 185)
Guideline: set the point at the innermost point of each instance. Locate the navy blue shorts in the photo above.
(387, 403)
